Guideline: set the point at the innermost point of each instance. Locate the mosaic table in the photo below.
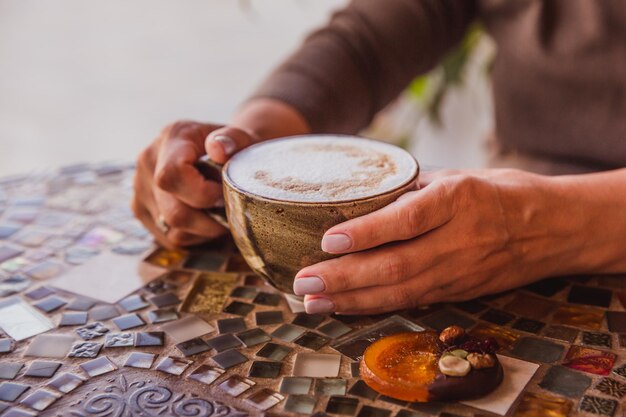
(208, 338)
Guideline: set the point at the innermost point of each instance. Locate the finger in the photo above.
(223, 143)
(416, 213)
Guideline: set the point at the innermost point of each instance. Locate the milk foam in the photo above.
(320, 168)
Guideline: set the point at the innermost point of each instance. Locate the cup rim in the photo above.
(227, 180)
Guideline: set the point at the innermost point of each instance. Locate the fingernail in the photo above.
(336, 243)
(227, 143)
(319, 305)
(308, 285)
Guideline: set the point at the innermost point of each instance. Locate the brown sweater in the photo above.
(559, 77)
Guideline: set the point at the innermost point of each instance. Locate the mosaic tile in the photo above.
(128, 321)
(330, 386)
(335, 329)
(253, 337)
(50, 304)
(354, 346)
(621, 338)
(229, 358)
(547, 287)
(316, 365)
(360, 389)
(164, 300)
(113, 340)
(596, 339)
(538, 350)
(13, 285)
(263, 318)
(7, 252)
(592, 296)
(66, 382)
(310, 321)
(44, 270)
(20, 321)
(264, 399)
(295, 303)
(530, 306)
(612, 281)
(247, 293)
(224, 342)
(539, 405)
(611, 387)
(143, 339)
(105, 312)
(209, 293)
(40, 400)
(205, 261)
(206, 374)
(409, 413)
(471, 306)
(133, 303)
(295, 385)
(166, 258)
(302, 404)
(579, 317)
(497, 317)
(10, 391)
(263, 369)
(441, 319)
(193, 347)
(172, 365)
(85, 350)
(39, 293)
(99, 366)
(311, 340)
(393, 401)
(6, 345)
(287, 332)
(92, 331)
(73, 319)
(8, 230)
(162, 315)
(187, 328)
(368, 411)
(589, 360)
(267, 299)
(273, 351)
(563, 381)
(566, 334)
(236, 385)
(50, 346)
(140, 360)
(342, 405)
(355, 369)
(42, 369)
(597, 405)
(616, 321)
(9, 370)
(234, 325)
(239, 308)
(528, 325)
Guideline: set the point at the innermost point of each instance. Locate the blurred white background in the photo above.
(96, 80)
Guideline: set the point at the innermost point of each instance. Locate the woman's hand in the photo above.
(462, 235)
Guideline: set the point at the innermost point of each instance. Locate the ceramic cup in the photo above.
(278, 238)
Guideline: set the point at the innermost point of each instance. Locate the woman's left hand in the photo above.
(462, 235)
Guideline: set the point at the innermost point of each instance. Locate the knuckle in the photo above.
(166, 178)
(401, 296)
(178, 238)
(392, 268)
(177, 217)
(409, 220)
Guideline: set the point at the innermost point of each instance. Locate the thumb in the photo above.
(224, 142)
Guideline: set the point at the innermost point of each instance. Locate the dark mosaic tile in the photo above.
(143, 339)
(295, 385)
(39, 293)
(49, 304)
(6, 345)
(408, 413)
(264, 399)
(360, 389)
(472, 306)
(162, 315)
(355, 369)
(597, 405)
(596, 339)
(539, 350)
(239, 308)
(224, 342)
(368, 411)
(263, 369)
(105, 312)
(174, 366)
(498, 317)
(310, 321)
(342, 405)
(330, 386)
(247, 293)
(267, 299)
(441, 319)
(205, 261)
(77, 318)
(528, 325)
(206, 374)
(611, 387)
(43, 369)
(335, 329)
(133, 303)
(128, 321)
(621, 371)
(302, 404)
(563, 381)
(235, 325)
(621, 338)
(92, 331)
(193, 347)
(273, 351)
(253, 337)
(236, 385)
(530, 306)
(85, 350)
(311, 340)
(592, 296)
(393, 401)
(263, 318)
(229, 358)
(616, 321)
(288, 332)
(164, 300)
(428, 408)
(9, 370)
(113, 340)
(547, 287)
(10, 391)
(566, 334)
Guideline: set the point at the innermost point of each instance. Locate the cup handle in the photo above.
(212, 171)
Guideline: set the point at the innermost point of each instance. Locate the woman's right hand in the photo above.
(170, 193)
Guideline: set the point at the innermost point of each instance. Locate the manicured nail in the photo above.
(227, 143)
(336, 243)
(308, 285)
(319, 306)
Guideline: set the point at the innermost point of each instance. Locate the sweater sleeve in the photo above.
(366, 55)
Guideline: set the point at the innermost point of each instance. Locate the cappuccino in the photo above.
(323, 168)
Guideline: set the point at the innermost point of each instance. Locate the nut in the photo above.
(481, 360)
(452, 335)
(454, 366)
